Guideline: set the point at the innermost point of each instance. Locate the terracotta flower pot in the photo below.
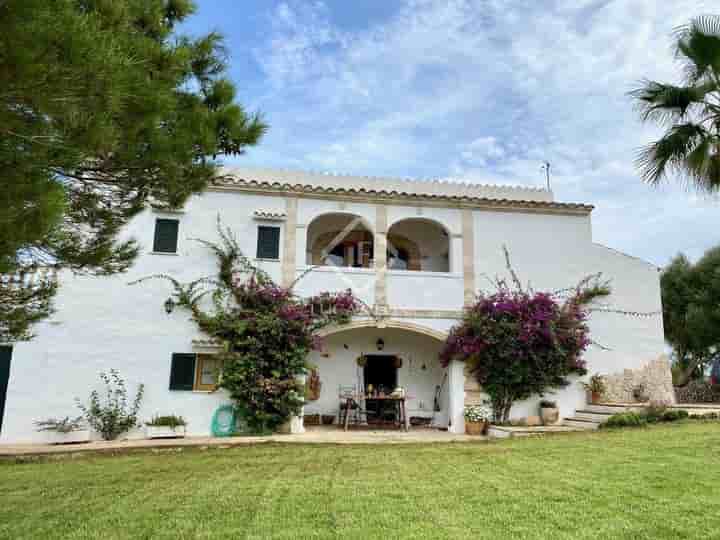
(595, 397)
(549, 415)
(476, 428)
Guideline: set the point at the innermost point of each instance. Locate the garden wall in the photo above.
(655, 377)
(698, 392)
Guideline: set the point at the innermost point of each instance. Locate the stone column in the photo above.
(289, 259)
(468, 246)
(456, 396)
(380, 251)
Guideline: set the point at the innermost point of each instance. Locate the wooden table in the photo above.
(399, 400)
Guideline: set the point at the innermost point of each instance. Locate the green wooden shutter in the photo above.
(166, 235)
(182, 371)
(5, 354)
(268, 244)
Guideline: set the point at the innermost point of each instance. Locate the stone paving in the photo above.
(313, 435)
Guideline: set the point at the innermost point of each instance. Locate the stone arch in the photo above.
(339, 239)
(389, 323)
(419, 243)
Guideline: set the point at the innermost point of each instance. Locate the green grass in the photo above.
(657, 482)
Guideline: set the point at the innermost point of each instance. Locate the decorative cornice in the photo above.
(234, 183)
(269, 215)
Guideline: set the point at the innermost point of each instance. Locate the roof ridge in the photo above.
(440, 185)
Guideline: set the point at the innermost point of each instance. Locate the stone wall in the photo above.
(655, 376)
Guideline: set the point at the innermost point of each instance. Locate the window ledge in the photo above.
(168, 211)
(338, 269)
(261, 259)
(424, 273)
(174, 254)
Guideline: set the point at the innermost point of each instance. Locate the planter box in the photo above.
(164, 432)
(71, 437)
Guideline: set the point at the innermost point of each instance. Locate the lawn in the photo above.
(657, 482)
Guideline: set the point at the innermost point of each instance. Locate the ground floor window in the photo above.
(207, 372)
(190, 371)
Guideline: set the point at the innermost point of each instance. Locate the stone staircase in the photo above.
(591, 416)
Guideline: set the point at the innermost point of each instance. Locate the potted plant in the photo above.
(477, 419)
(165, 427)
(596, 387)
(65, 431)
(549, 412)
(328, 419)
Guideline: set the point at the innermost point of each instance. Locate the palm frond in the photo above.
(665, 103)
(670, 152)
(698, 46)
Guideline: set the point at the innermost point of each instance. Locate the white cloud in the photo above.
(487, 90)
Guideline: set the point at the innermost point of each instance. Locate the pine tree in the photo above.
(104, 110)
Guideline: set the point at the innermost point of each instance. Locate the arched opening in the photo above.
(339, 240)
(418, 244)
(351, 360)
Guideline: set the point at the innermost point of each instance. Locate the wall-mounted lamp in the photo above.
(169, 306)
(380, 344)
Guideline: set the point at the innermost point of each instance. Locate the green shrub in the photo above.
(651, 415)
(655, 413)
(705, 416)
(115, 414)
(672, 415)
(626, 419)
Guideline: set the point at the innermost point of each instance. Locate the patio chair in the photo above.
(350, 406)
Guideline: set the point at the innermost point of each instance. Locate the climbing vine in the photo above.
(266, 331)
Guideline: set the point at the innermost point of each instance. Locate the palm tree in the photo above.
(690, 112)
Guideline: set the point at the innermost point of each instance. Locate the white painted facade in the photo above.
(104, 323)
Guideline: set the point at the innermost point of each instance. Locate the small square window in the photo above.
(207, 372)
(166, 236)
(268, 243)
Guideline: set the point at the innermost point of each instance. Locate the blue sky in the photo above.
(478, 90)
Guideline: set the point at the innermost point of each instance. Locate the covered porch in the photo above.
(383, 376)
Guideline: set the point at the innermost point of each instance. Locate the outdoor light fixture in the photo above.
(169, 306)
(380, 344)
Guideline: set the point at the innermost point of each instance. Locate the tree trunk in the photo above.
(686, 374)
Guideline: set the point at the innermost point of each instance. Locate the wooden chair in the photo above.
(350, 406)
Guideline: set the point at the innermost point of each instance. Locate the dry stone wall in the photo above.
(655, 378)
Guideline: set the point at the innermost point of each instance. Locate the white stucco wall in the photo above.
(555, 252)
(103, 323)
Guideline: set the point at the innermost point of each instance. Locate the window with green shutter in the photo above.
(166, 236)
(182, 371)
(268, 244)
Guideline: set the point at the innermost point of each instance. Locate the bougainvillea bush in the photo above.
(519, 343)
(266, 331)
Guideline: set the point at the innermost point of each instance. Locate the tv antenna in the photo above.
(546, 167)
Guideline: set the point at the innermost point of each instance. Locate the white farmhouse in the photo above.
(414, 251)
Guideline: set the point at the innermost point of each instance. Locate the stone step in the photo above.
(592, 416)
(580, 423)
(502, 432)
(611, 408)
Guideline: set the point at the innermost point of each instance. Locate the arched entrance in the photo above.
(397, 353)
